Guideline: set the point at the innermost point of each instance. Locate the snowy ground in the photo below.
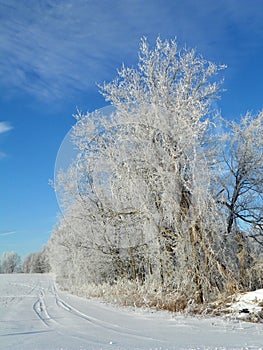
(35, 315)
(248, 306)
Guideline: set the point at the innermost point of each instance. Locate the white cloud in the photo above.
(56, 49)
(7, 233)
(4, 127)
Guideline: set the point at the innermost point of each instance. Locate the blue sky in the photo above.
(52, 54)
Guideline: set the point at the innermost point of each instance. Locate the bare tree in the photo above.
(241, 177)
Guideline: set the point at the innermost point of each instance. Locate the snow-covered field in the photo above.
(35, 315)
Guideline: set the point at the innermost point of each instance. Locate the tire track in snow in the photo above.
(97, 322)
(40, 309)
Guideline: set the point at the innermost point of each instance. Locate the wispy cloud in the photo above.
(2, 155)
(58, 48)
(7, 233)
(4, 127)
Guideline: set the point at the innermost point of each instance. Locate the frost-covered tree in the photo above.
(10, 262)
(139, 202)
(163, 107)
(36, 262)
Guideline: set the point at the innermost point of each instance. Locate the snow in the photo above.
(248, 306)
(34, 314)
